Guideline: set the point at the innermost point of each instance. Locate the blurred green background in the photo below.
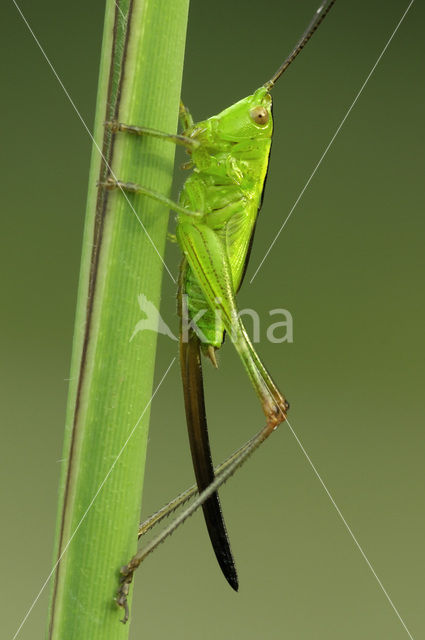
(349, 266)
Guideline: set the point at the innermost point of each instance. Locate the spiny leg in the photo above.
(166, 511)
(272, 400)
(208, 260)
(128, 570)
(185, 496)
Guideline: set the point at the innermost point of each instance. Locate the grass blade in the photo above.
(111, 375)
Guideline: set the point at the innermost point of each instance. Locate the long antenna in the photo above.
(317, 19)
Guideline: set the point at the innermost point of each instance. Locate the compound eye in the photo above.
(259, 115)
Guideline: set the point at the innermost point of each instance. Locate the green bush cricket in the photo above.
(217, 213)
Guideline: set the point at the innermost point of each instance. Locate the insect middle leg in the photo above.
(132, 187)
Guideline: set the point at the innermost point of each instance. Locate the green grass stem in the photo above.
(111, 374)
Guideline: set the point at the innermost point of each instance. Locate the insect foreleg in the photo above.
(185, 141)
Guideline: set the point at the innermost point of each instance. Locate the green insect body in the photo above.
(217, 213)
(226, 185)
(230, 167)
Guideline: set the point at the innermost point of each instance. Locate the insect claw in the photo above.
(109, 183)
(111, 124)
(124, 605)
(121, 599)
(126, 572)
